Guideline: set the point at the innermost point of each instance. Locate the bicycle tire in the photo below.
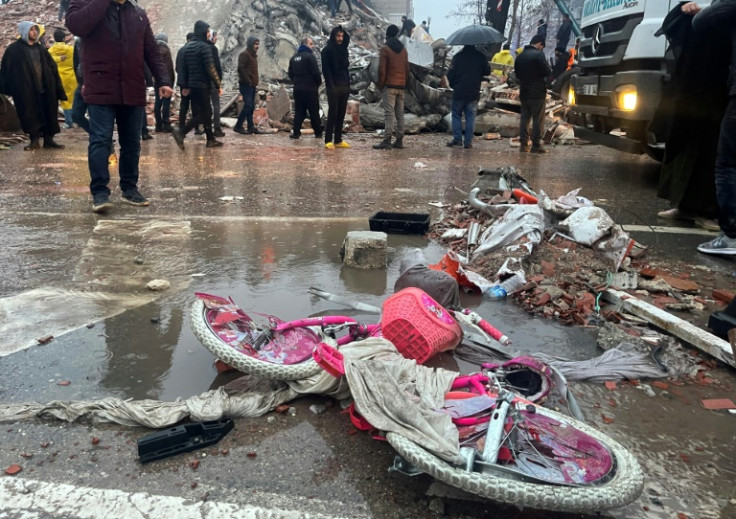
(623, 487)
(240, 361)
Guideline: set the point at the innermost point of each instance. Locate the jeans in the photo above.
(337, 100)
(201, 112)
(392, 100)
(68, 117)
(102, 120)
(162, 111)
(307, 101)
(532, 111)
(215, 97)
(726, 171)
(332, 4)
(249, 105)
(79, 110)
(460, 107)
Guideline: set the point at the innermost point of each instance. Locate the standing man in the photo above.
(162, 105)
(117, 40)
(184, 102)
(29, 75)
(63, 55)
(504, 58)
(248, 81)
(393, 76)
(465, 76)
(564, 32)
(721, 17)
(335, 68)
(532, 71)
(305, 76)
(214, 93)
(197, 74)
(542, 29)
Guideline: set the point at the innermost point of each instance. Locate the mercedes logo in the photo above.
(595, 45)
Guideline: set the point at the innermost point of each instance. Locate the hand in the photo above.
(690, 8)
(185, 92)
(219, 92)
(165, 91)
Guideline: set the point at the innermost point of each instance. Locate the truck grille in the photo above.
(604, 44)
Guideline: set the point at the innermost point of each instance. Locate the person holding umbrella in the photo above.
(465, 76)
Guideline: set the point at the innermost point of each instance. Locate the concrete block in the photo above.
(364, 249)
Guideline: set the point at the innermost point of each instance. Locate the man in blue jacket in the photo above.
(720, 17)
(532, 72)
(118, 40)
(305, 76)
(465, 76)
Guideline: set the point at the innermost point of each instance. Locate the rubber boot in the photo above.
(385, 144)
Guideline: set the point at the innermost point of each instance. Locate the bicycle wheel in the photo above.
(623, 483)
(241, 360)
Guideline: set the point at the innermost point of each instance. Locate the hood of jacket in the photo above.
(345, 37)
(250, 42)
(200, 30)
(304, 48)
(395, 45)
(162, 38)
(25, 27)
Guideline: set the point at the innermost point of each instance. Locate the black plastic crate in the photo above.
(399, 223)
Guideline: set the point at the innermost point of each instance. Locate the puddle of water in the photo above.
(266, 267)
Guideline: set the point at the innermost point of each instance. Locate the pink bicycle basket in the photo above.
(418, 325)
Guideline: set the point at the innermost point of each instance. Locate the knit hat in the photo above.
(162, 37)
(391, 31)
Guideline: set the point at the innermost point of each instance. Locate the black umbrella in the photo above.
(475, 35)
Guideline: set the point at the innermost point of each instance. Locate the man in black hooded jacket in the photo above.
(532, 71)
(196, 75)
(335, 64)
(305, 76)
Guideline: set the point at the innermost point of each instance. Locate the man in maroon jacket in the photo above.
(117, 39)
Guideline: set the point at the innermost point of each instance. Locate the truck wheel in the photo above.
(562, 83)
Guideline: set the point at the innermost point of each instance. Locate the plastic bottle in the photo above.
(506, 287)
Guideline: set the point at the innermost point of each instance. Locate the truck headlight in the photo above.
(627, 98)
(571, 96)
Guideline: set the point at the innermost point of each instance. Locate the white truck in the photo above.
(620, 75)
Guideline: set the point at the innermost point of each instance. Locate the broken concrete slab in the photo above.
(365, 249)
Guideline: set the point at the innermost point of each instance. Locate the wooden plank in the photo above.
(686, 331)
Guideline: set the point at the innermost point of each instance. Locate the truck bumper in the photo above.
(598, 95)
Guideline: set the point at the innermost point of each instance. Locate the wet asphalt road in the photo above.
(289, 206)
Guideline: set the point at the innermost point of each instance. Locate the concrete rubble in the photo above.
(280, 24)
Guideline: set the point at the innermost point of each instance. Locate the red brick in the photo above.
(721, 294)
(542, 299)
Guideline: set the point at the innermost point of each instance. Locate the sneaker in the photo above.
(241, 130)
(524, 149)
(219, 133)
(101, 203)
(539, 150)
(342, 144)
(214, 144)
(146, 137)
(294, 136)
(179, 138)
(135, 198)
(467, 146)
(709, 224)
(721, 244)
(256, 131)
(329, 146)
(454, 144)
(51, 144)
(675, 214)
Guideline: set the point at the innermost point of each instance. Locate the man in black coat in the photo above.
(335, 68)
(196, 76)
(214, 94)
(532, 71)
(564, 32)
(29, 75)
(465, 76)
(305, 76)
(720, 16)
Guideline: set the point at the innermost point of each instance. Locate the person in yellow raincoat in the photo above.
(63, 55)
(503, 57)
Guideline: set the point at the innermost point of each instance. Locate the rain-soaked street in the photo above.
(262, 220)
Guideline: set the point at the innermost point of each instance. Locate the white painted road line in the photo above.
(30, 498)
